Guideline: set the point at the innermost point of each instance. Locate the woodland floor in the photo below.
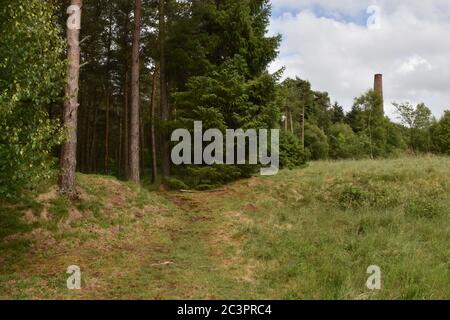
(304, 234)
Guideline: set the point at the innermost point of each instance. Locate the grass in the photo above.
(303, 234)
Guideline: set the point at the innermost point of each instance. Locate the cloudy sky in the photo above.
(338, 45)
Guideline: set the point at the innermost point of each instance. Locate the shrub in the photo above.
(31, 77)
(292, 154)
(176, 184)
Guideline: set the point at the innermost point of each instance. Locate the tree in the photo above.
(152, 125)
(293, 105)
(107, 88)
(223, 81)
(320, 112)
(337, 113)
(31, 78)
(70, 113)
(292, 154)
(164, 105)
(134, 171)
(418, 121)
(316, 142)
(367, 118)
(440, 133)
(344, 143)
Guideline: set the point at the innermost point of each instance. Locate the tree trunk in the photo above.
(165, 112)
(125, 128)
(120, 148)
(286, 120)
(152, 125)
(70, 113)
(87, 133)
(108, 91)
(303, 127)
(134, 173)
(142, 143)
(107, 102)
(291, 120)
(80, 133)
(93, 153)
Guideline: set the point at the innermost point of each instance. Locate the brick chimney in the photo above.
(378, 87)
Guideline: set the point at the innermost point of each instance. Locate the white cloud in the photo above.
(328, 43)
(414, 63)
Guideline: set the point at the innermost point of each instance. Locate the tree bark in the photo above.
(107, 103)
(126, 154)
(120, 148)
(87, 133)
(152, 126)
(165, 112)
(108, 90)
(142, 143)
(69, 148)
(93, 153)
(80, 135)
(134, 170)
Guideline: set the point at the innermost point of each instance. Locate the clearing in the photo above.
(303, 234)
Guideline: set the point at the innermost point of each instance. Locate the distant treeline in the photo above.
(364, 131)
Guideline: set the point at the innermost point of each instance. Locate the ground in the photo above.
(309, 233)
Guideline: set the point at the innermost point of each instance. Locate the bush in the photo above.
(176, 184)
(210, 177)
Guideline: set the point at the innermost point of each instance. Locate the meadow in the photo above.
(308, 233)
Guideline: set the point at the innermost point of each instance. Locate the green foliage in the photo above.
(316, 142)
(337, 113)
(176, 184)
(298, 97)
(440, 134)
(367, 120)
(418, 121)
(31, 77)
(207, 34)
(225, 99)
(226, 85)
(292, 154)
(210, 177)
(345, 144)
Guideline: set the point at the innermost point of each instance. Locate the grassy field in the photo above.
(304, 234)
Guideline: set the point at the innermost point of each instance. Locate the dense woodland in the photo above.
(147, 67)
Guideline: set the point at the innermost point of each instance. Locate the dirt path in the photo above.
(128, 243)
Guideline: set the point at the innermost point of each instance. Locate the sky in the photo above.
(339, 45)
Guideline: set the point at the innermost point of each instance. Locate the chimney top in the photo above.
(378, 86)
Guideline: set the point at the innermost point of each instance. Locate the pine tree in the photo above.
(70, 116)
(134, 135)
